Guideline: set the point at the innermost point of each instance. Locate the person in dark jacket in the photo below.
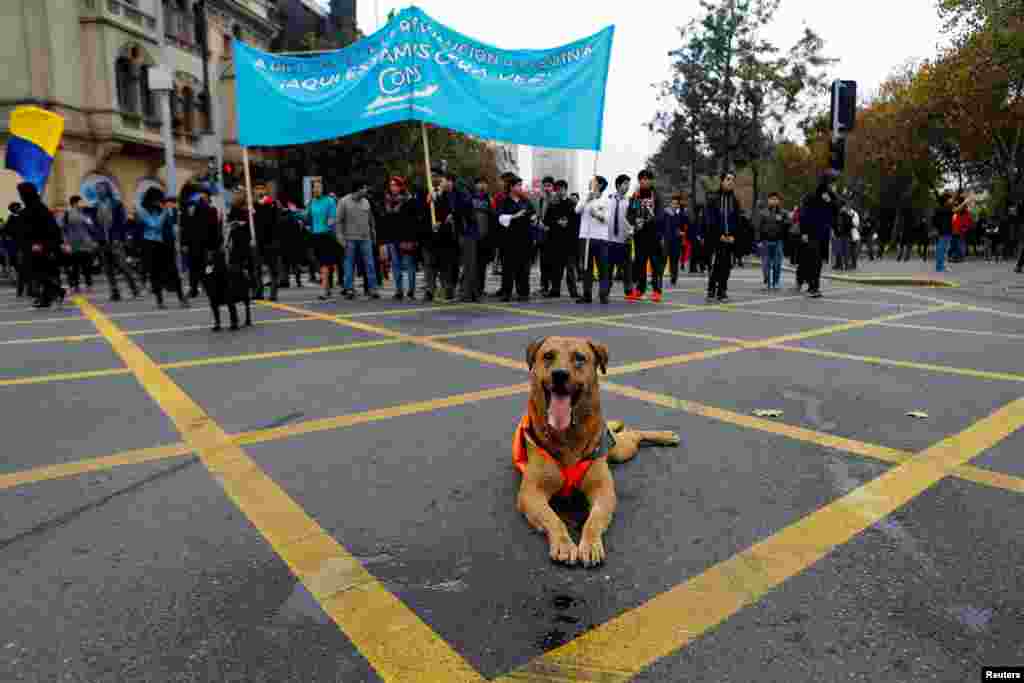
(17, 233)
(695, 236)
(563, 236)
(397, 234)
(516, 216)
(908, 234)
(484, 216)
(267, 222)
(453, 211)
(198, 224)
(723, 225)
(819, 213)
(46, 240)
(644, 208)
(111, 223)
(771, 231)
(672, 224)
(942, 223)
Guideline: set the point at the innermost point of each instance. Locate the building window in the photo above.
(148, 97)
(188, 105)
(127, 85)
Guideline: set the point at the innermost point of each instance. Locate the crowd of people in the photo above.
(453, 235)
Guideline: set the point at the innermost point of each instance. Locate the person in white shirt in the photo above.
(620, 233)
(593, 212)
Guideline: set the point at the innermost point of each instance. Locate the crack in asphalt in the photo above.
(71, 515)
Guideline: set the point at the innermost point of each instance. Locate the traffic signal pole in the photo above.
(844, 118)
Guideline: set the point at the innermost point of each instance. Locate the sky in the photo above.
(870, 38)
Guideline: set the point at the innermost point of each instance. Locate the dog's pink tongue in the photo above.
(560, 412)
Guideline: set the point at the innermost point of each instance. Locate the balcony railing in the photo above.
(121, 9)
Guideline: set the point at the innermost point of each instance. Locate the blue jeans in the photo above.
(365, 249)
(771, 263)
(402, 262)
(941, 249)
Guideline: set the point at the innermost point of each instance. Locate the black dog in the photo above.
(227, 280)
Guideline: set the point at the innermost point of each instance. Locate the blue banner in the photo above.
(416, 69)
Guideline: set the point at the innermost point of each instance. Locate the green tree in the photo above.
(736, 89)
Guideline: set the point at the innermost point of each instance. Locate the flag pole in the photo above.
(430, 178)
(586, 250)
(248, 196)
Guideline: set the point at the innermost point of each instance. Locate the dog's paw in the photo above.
(564, 551)
(616, 426)
(592, 551)
(672, 439)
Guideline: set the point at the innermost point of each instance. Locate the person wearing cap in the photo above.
(517, 217)
(723, 225)
(593, 245)
(819, 214)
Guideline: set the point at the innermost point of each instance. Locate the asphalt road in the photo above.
(329, 495)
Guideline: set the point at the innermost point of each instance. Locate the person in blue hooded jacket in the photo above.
(157, 216)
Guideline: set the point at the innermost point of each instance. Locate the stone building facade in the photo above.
(87, 60)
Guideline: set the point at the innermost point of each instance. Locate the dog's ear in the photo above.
(600, 355)
(531, 351)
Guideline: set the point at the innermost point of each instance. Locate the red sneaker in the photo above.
(656, 297)
(633, 296)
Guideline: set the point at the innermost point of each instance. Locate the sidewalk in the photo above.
(971, 273)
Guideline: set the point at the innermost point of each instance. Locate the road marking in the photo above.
(396, 642)
(965, 306)
(71, 469)
(298, 352)
(874, 360)
(868, 450)
(136, 333)
(63, 377)
(619, 649)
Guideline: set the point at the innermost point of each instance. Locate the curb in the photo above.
(886, 280)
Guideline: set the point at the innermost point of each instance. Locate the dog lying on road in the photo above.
(563, 443)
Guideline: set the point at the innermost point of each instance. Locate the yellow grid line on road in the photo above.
(356, 601)
(207, 361)
(995, 428)
(621, 648)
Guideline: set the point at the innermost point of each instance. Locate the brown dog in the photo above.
(563, 443)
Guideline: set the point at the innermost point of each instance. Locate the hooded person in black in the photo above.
(46, 239)
(722, 226)
(819, 214)
(17, 232)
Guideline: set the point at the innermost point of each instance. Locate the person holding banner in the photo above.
(517, 217)
(321, 216)
(453, 211)
(593, 244)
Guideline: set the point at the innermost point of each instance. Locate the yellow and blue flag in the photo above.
(35, 137)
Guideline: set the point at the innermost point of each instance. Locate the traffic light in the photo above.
(837, 153)
(844, 106)
(230, 176)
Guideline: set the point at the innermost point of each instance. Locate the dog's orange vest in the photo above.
(572, 475)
